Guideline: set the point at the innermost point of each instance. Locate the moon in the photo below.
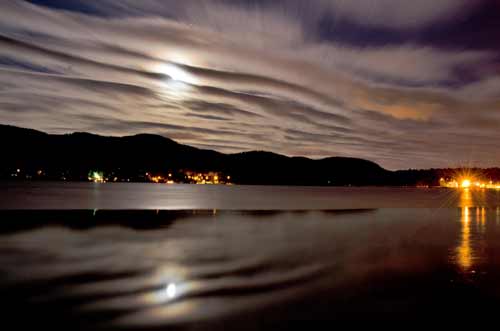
(177, 73)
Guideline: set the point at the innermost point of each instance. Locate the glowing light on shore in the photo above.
(96, 177)
(472, 179)
(469, 184)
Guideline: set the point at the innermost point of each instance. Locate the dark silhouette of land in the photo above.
(31, 154)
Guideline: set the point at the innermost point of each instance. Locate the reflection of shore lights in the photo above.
(464, 250)
(465, 183)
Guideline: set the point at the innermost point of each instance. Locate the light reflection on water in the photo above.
(464, 254)
(205, 268)
(473, 223)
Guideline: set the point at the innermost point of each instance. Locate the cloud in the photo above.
(404, 64)
(397, 13)
(207, 117)
(392, 13)
(261, 77)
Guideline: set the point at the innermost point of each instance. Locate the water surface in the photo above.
(434, 260)
(62, 195)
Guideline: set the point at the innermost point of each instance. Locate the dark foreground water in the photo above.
(253, 270)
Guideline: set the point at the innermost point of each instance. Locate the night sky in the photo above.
(405, 83)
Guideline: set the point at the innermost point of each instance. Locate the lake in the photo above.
(81, 256)
(61, 195)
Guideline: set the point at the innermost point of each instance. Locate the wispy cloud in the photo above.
(258, 75)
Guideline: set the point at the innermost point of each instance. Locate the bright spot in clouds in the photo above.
(177, 73)
(171, 290)
(166, 293)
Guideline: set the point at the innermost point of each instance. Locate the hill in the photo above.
(32, 154)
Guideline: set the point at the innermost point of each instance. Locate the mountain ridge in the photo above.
(27, 152)
(73, 155)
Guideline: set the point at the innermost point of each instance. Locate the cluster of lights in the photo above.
(207, 178)
(160, 179)
(190, 177)
(96, 177)
(466, 183)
